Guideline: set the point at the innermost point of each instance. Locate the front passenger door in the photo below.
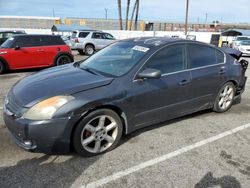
(156, 100)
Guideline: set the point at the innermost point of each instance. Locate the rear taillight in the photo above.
(76, 40)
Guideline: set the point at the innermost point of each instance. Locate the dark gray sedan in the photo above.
(126, 86)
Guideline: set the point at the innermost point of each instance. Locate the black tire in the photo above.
(223, 103)
(89, 49)
(82, 133)
(2, 67)
(62, 60)
(81, 52)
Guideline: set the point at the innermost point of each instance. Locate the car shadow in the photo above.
(156, 126)
(45, 171)
(209, 181)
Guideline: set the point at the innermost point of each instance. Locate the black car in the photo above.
(128, 85)
(4, 35)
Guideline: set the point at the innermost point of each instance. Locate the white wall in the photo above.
(200, 36)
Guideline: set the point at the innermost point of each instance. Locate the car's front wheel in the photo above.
(98, 132)
(225, 97)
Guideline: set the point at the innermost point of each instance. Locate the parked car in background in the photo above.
(89, 41)
(4, 35)
(238, 39)
(244, 47)
(33, 51)
(66, 39)
(128, 85)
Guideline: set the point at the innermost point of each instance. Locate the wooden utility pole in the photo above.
(127, 12)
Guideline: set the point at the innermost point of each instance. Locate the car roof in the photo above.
(35, 35)
(153, 41)
(88, 30)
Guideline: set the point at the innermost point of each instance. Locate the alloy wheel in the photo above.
(99, 134)
(226, 97)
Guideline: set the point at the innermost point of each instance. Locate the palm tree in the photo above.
(120, 13)
(137, 14)
(132, 16)
(127, 12)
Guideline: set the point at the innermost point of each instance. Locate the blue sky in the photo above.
(169, 10)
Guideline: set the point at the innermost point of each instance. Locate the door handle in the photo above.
(222, 70)
(184, 82)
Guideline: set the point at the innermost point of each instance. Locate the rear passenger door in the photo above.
(208, 69)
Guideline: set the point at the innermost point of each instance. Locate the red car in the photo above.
(33, 51)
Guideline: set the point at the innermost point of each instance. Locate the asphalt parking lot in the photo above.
(201, 150)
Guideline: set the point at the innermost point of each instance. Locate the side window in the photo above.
(201, 55)
(97, 36)
(83, 34)
(28, 41)
(219, 56)
(108, 36)
(170, 59)
(52, 40)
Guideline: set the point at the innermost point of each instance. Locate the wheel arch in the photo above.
(89, 43)
(63, 53)
(114, 108)
(5, 63)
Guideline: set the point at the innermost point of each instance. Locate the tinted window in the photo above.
(28, 41)
(97, 36)
(219, 56)
(201, 55)
(52, 40)
(170, 59)
(83, 34)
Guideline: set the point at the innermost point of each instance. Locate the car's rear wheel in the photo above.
(62, 60)
(89, 49)
(225, 97)
(81, 52)
(98, 132)
(2, 67)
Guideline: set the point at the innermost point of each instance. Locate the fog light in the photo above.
(28, 143)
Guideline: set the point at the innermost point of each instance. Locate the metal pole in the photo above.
(186, 20)
(106, 13)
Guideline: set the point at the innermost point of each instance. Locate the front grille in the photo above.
(13, 105)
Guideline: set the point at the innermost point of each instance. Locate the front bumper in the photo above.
(48, 136)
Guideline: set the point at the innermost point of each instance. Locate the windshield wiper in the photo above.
(89, 70)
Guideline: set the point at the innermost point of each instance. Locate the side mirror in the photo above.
(150, 74)
(17, 48)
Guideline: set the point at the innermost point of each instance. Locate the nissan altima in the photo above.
(128, 85)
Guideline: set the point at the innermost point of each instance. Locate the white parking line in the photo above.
(1, 107)
(157, 160)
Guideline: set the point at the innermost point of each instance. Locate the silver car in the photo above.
(89, 41)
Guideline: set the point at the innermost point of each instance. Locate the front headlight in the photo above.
(46, 108)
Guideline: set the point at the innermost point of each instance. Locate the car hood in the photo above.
(62, 80)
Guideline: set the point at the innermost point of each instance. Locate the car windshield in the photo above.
(116, 59)
(8, 43)
(245, 43)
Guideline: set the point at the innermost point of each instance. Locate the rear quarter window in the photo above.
(201, 55)
(83, 34)
(52, 41)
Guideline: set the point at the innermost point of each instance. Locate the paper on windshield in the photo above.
(140, 48)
